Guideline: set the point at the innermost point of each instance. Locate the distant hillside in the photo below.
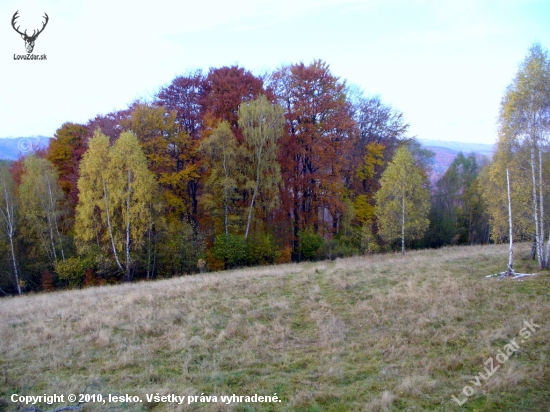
(446, 152)
(12, 147)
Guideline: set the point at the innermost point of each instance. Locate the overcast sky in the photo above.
(444, 63)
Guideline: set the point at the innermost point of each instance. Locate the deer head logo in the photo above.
(29, 40)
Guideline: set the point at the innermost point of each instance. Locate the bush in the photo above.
(179, 248)
(47, 281)
(231, 249)
(261, 249)
(309, 244)
(73, 270)
(337, 248)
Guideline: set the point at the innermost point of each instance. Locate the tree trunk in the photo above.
(511, 253)
(109, 226)
(535, 207)
(226, 198)
(14, 265)
(53, 209)
(541, 197)
(127, 275)
(9, 222)
(255, 193)
(52, 238)
(403, 225)
(148, 275)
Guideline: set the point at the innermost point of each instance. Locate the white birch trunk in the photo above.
(8, 216)
(255, 193)
(109, 226)
(128, 200)
(403, 225)
(14, 262)
(535, 207)
(52, 238)
(511, 253)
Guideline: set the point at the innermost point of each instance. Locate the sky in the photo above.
(445, 64)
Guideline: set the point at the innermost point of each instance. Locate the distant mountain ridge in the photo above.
(446, 152)
(12, 147)
(480, 148)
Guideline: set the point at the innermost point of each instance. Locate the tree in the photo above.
(186, 97)
(41, 206)
(183, 96)
(262, 124)
(512, 157)
(510, 270)
(65, 152)
(315, 149)
(379, 124)
(402, 203)
(170, 156)
(525, 116)
(225, 89)
(8, 210)
(110, 124)
(116, 191)
(222, 153)
(458, 210)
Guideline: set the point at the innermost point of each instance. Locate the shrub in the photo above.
(285, 256)
(261, 249)
(309, 244)
(89, 278)
(73, 270)
(47, 281)
(231, 249)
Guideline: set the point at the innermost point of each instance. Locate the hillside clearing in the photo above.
(374, 333)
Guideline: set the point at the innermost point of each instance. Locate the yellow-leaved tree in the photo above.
(115, 193)
(403, 201)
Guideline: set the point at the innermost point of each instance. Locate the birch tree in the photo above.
(41, 206)
(403, 202)
(222, 151)
(8, 222)
(525, 116)
(116, 191)
(514, 158)
(262, 124)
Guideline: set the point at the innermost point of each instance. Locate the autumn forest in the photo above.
(224, 169)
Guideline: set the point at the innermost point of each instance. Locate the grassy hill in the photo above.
(375, 333)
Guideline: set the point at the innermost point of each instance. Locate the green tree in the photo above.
(458, 210)
(403, 202)
(116, 191)
(41, 206)
(262, 124)
(222, 153)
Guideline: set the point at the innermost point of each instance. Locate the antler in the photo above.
(34, 34)
(43, 26)
(15, 16)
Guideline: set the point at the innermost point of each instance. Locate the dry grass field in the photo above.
(373, 333)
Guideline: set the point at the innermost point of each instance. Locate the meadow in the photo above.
(369, 333)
